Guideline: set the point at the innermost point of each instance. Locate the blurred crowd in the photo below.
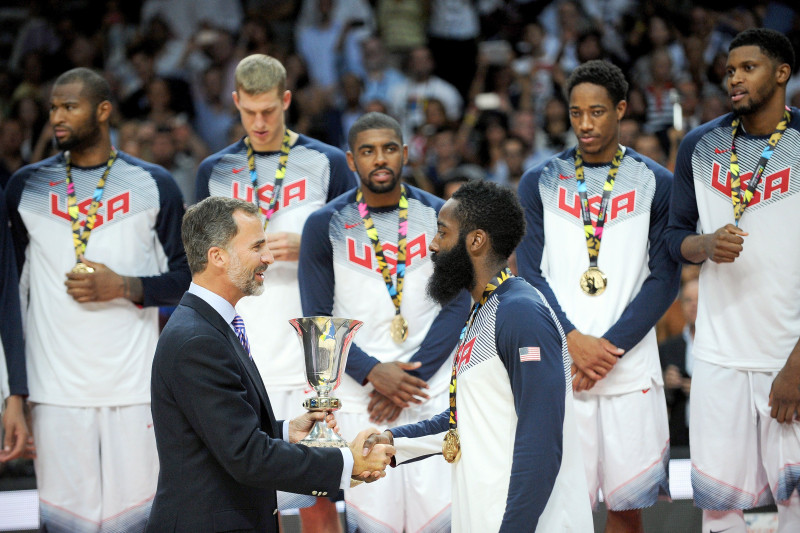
(476, 84)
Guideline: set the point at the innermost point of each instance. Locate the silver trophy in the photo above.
(326, 341)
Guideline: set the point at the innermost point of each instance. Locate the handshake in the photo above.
(372, 451)
(370, 459)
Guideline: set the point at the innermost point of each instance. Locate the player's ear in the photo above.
(350, 161)
(477, 242)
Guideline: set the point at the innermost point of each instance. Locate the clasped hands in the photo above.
(593, 358)
(369, 464)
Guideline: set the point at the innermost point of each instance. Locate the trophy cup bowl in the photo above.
(326, 341)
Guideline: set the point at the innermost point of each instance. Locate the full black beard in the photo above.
(452, 272)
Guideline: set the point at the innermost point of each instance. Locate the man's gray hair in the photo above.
(210, 223)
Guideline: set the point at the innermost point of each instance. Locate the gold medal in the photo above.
(451, 447)
(593, 281)
(82, 268)
(399, 329)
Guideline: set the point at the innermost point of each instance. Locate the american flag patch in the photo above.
(531, 353)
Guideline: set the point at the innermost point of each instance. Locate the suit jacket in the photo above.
(218, 441)
(673, 352)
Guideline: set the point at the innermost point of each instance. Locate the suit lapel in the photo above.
(214, 318)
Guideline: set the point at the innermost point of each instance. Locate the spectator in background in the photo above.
(214, 115)
(10, 149)
(649, 145)
(659, 37)
(657, 93)
(555, 134)
(345, 110)
(175, 147)
(629, 131)
(512, 166)
(675, 354)
(441, 157)
(379, 78)
(402, 25)
(453, 32)
(187, 17)
(317, 45)
(29, 110)
(535, 66)
(409, 99)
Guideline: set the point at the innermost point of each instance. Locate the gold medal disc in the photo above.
(593, 281)
(451, 447)
(399, 329)
(82, 268)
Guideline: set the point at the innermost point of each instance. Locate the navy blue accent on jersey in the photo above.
(523, 320)
(659, 288)
(683, 215)
(13, 195)
(163, 289)
(437, 424)
(336, 159)
(11, 323)
(167, 288)
(317, 290)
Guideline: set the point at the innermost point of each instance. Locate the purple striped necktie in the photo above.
(238, 327)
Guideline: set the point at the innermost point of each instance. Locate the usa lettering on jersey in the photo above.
(621, 204)
(465, 353)
(364, 255)
(774, 184)
(119, 204)
(293, 193)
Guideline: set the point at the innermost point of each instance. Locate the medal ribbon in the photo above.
(741, 197)
(280, 173)
(402, 233)
(81, 238)
(492, 286)
(594, 232)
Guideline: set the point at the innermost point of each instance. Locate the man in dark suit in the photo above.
(222, 453)
(676, 362)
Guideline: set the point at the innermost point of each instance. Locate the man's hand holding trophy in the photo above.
(326, 342)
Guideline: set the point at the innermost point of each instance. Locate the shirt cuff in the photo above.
(286, 430)
(347, 456)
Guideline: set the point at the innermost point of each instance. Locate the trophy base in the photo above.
(321, 436)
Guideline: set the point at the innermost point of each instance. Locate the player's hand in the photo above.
(377, 438)
(672, 377)
(784, 396)
(102, 285)
(300, 426)
(382, 409)
(284, 246)
(17, 437)
(371, 465)
(725, 244)
(595, 356)
(393, 381)
(580, 381)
